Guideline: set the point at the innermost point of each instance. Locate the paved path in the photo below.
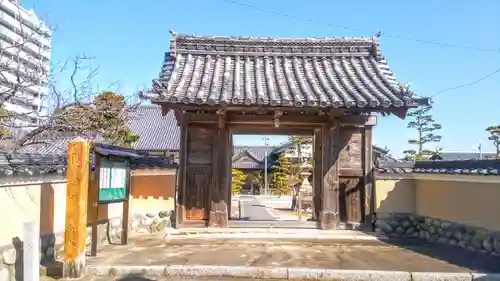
(411, 255)
(283, 202)
(255, 214)
(253, 210)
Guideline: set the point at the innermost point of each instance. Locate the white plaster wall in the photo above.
(23, 203)
(59, 207)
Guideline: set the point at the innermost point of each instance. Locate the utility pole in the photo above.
(479, 147)
(266, 190)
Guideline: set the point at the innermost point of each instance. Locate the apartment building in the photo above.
(25, 43)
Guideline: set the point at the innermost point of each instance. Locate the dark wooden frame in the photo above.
(337, 133)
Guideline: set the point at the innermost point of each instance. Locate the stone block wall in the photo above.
(440, 231)
(150, 222)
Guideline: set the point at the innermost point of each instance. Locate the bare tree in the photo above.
(78, 109)
(82, 110)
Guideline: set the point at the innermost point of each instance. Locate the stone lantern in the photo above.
(305, 192)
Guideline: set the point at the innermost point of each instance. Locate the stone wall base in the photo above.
(440, 231)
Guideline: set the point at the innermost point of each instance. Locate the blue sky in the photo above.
(129, 39)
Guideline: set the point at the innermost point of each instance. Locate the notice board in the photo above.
(113, 181)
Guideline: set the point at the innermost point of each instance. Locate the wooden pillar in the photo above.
(218, 203)
(329, 217)
(230, 175)
(368, 176)
(93, 207)
(228, 172)
(76, 207)
(317, 173)
(181, 187)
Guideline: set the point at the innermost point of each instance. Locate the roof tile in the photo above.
(298, 72)
(155, 131)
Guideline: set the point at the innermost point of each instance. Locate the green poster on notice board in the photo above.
(113, 181)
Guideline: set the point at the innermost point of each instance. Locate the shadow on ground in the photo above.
(475, 261)
(465, 258)
(398, 201)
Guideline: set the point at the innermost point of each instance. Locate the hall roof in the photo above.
(279, 72)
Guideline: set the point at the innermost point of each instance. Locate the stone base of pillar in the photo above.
(74, 269)
(328, 221)
(218, 215)
(179, 216)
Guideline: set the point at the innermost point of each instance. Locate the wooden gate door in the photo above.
(351, 200)
(197, 190)
(199, 172)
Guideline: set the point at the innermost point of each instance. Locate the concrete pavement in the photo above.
(272, 201)
(299, 259)
(254, 210)
(276, 202)
(407, 255)
(256, 214)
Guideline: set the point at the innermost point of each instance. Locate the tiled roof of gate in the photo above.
(299, 72)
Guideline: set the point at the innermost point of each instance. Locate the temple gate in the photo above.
(326, 87)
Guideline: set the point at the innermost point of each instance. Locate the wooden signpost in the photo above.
(76, 207)
(110, 184)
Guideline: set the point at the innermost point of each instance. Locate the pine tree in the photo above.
(494, 132)
(237, 181)
(295, 167)
(425, 125)
(279, 177)
(256, 181)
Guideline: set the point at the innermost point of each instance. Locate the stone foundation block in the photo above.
(440, 231)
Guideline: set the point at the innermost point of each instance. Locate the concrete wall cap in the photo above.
(285, 273)
(441, 276)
